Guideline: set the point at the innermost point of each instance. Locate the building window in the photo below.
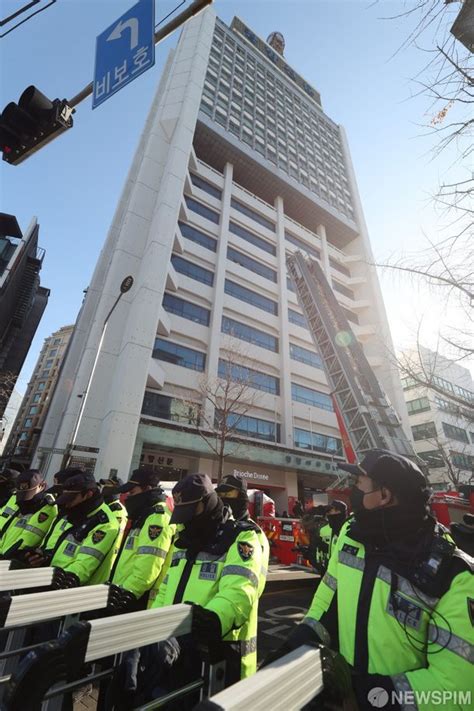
(49, 363)
(53, 352)
(202, 210)
(186, 309)
(28, 422)
(247, 376)
(337, 286)
(207, 187)
(195, 235)
(45, 374)
(205, 276)
(433, 458)
(251, 264)
(408, 383)
(289, 284)
(301, 244)
(23, 436)
(33, 410)
(36, 397)
(421, 404)
(300, 393)
(305, 356)
(179, 355)
(41, 386)
(56, 342)
(447, 405)
(317, 442)
(252, 427)
(456, 433)
(249, 334)
(250, 297)
(297, 318)
(427, 430)
(169, 408)
(461, 460)
(265, 222)
(250, 237)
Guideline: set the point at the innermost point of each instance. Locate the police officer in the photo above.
(143, 551)
(215, 564)
(8, 479)
(85, 555)
(397, 600)
(43, 555)
(233, 492)
(111, 494)
(33, 515)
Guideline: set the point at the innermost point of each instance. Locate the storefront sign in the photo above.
(251, 475)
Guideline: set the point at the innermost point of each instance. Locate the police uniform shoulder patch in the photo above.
(470, 607)
(245, 550)
(98, 536)
(154, 532)
(42, 517)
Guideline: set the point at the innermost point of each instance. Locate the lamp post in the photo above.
(125, 286)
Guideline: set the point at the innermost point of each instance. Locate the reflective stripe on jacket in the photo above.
(28, 530)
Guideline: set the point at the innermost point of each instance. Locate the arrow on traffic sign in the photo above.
(132, 25)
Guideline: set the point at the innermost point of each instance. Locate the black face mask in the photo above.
(140, 503)
(386, 524)
(201, 528)
(6, 490)
(31, 505)
(336, 521)
(77, 514)
(238, 507)
(110, 498)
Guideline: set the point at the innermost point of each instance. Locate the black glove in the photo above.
(119, 599)
(300, 635)
(206, 627)
(338, 692)
(63, 580)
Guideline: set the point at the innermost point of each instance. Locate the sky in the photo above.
(345, 48)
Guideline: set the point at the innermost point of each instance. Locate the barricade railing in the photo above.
(289, 683)
(63, 659)
(32, 608)
(25, 579)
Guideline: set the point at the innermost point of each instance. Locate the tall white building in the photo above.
(237, 165)
(440, 402)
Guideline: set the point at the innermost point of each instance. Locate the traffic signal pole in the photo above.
(36, 120)
(196, 7)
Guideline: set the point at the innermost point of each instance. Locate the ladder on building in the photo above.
(370, 419)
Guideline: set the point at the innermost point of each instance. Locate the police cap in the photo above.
(140, 477)
(229, 482)
(397, 473)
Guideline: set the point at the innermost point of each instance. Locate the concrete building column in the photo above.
(219, 279)
(321, 230)
(286, 412)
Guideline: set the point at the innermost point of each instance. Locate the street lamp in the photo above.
(125, 286)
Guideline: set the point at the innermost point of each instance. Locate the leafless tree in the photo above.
(7, 384)
(223, 403)
(446, 266)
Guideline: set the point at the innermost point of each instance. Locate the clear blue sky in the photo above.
(342, 47)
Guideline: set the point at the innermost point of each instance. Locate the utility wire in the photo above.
(34, 2)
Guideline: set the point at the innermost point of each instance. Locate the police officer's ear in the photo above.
(87, 494)
(387, 497)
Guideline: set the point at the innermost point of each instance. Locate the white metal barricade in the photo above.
(25, 579)
(37, 607)
(289, 683)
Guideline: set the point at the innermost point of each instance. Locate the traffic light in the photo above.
(31, 124)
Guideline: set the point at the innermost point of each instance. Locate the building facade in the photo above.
(237, 165)
(440, 401)
(28, 424)
(22, 299)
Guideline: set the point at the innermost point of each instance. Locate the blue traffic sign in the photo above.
(124, 50)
